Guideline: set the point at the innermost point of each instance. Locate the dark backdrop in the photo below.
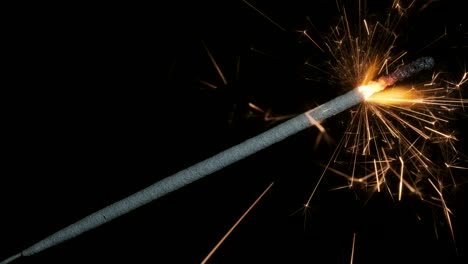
(110, 99)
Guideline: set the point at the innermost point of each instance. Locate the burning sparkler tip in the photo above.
(371, 88)
(424, 63)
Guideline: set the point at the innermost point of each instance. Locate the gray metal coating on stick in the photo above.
(199, 170)
(10, 259)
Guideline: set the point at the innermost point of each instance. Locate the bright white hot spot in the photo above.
(371, 88)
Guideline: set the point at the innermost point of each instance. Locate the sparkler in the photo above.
(227, 157)
(380, 165)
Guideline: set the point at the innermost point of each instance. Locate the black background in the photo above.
(109, 99)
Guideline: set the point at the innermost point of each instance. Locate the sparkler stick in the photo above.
(225, 158)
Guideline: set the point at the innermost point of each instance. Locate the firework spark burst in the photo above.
(390, 140)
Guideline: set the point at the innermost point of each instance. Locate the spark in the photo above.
(352, 249)
(260, 52)
(367, 27)
(215, 64)
(304, 32)
(401, 10)
(236, 224)
(264, 15)
(253, 106)
(435, 40)
(212, 86)
(401, 178)
(447, 211)
(270, 118)
(377, 176)
(440, 133)
(317, 124)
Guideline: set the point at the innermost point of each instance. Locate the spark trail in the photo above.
(226, 158)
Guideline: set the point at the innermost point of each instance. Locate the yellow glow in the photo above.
(395, 96)
(371, 88)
